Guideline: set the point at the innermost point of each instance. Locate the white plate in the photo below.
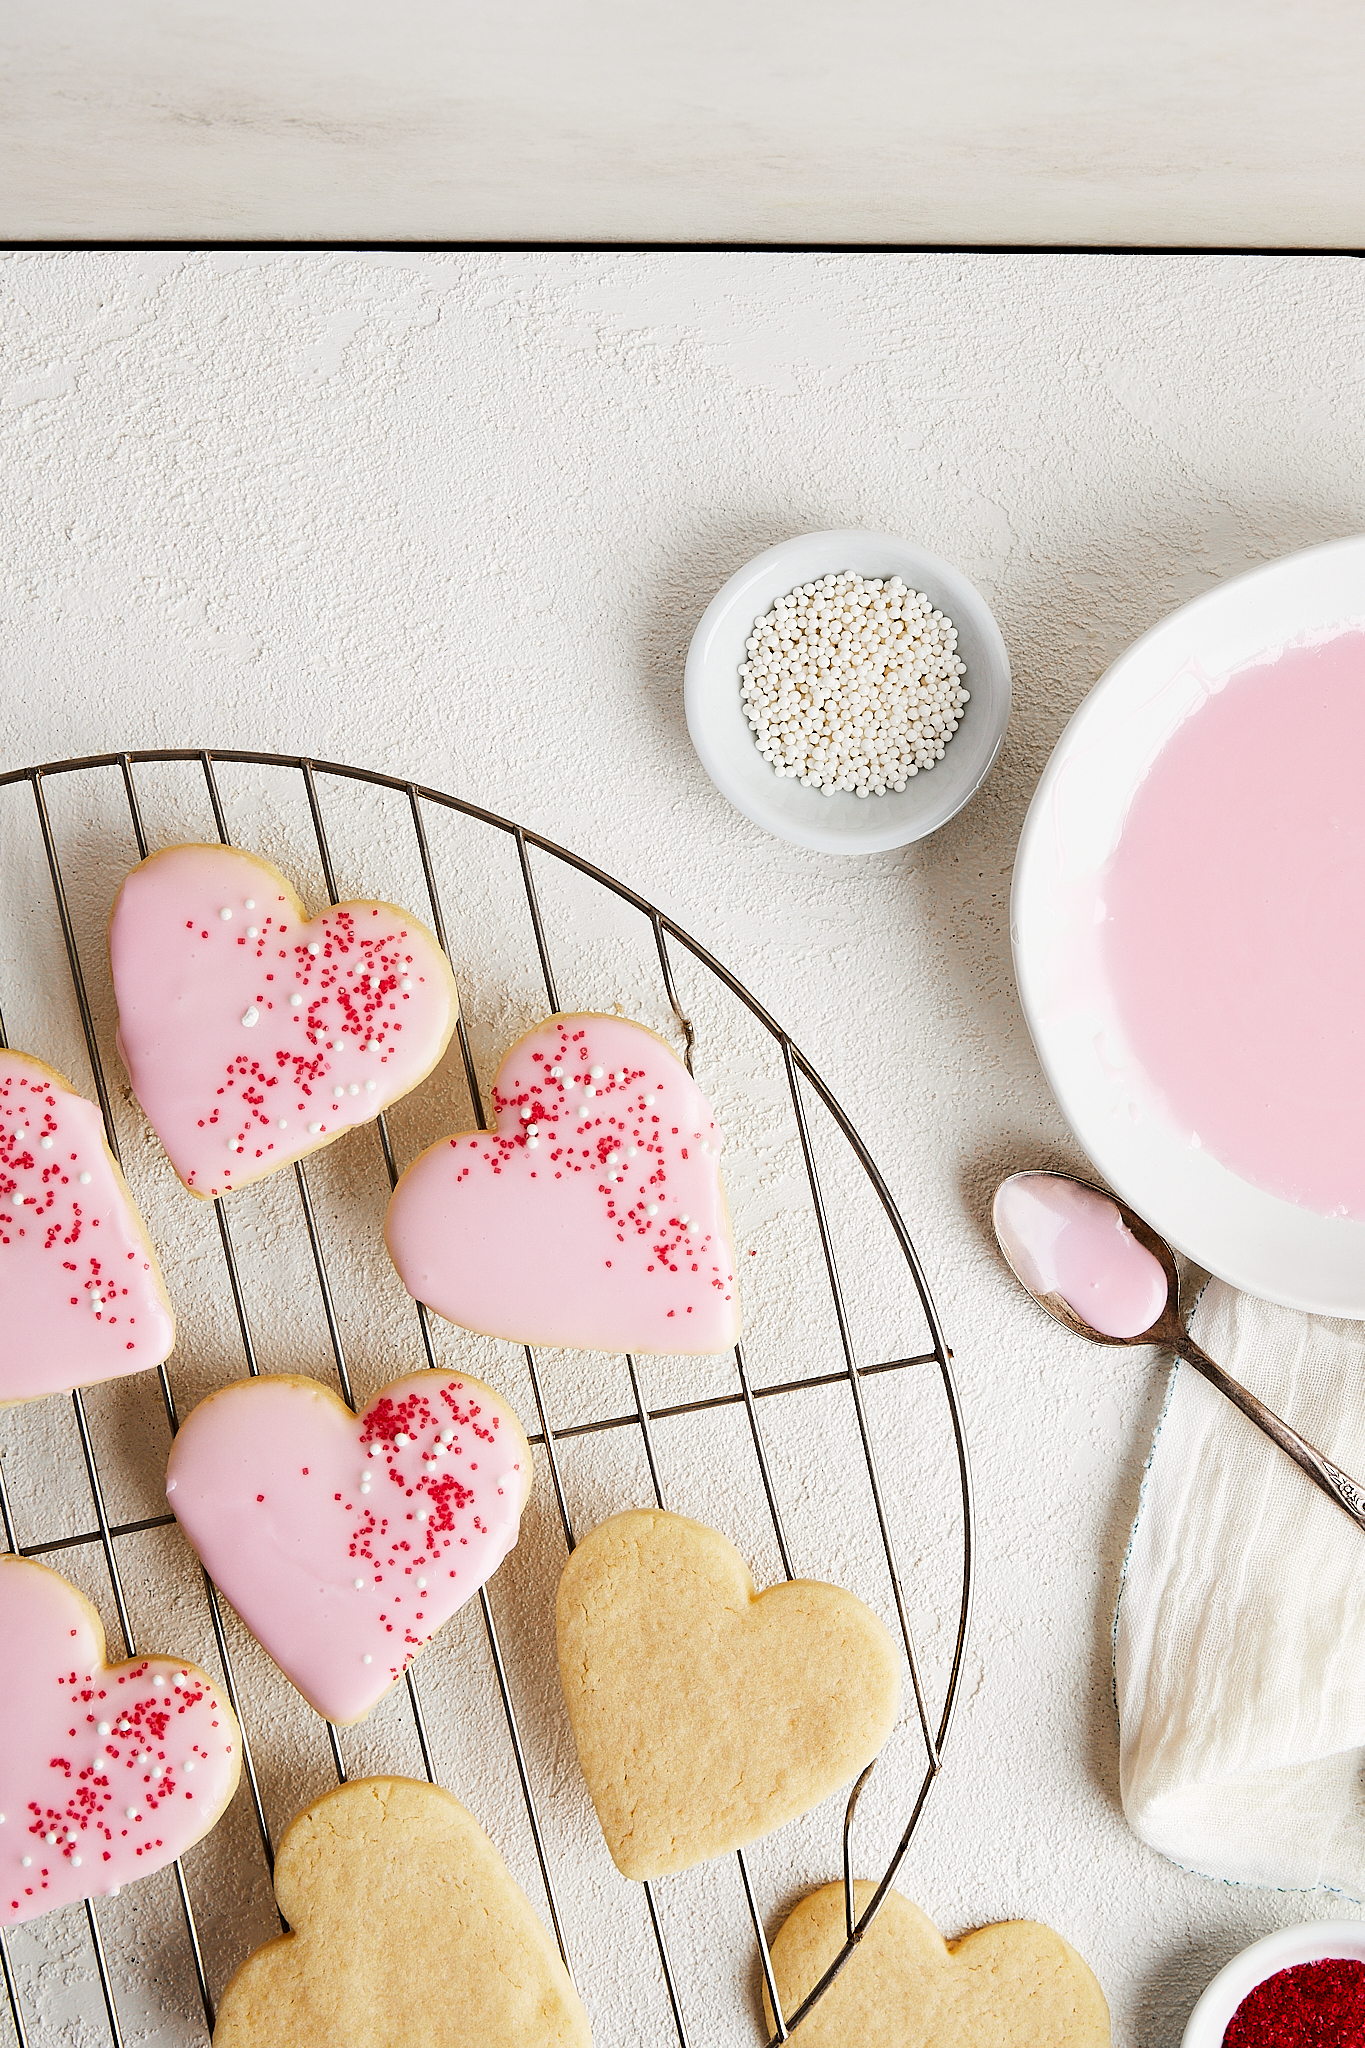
(725, 742)
(1257, 1241)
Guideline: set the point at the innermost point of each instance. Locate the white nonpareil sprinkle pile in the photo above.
(853, 684)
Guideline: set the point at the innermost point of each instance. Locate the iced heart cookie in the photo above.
(591, 1216)
(344, 1541)
(81, 1294)
(1016, 1985)
(107, 1771)
(408, 1932)
(705, 1716)
(252, 1036)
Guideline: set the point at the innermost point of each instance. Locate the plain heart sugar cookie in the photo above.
(1015, 1985)
(408, 1932)
(344, 1541)
(107, 1772)
(591, 1216)
(81, 1294)
(705, 1716)
(251, 1036)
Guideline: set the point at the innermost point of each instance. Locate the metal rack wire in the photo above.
(803, 1083)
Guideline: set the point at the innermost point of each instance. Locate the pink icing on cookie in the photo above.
(344, 1541)
(591, 1216)
(253, 1037)
(81, 1297)
(107, 1772)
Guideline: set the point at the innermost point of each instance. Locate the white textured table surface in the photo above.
(455, 518)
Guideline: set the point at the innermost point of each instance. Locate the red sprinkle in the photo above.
(1314, 2005)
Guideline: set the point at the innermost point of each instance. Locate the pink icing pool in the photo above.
(345, 1541)
(592, 1217)
(81, 1298)
(106, 1772)
(1064, 1238)
(1248, 836)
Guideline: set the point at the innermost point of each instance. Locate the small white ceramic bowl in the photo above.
(1314, 1943)
(724, 738)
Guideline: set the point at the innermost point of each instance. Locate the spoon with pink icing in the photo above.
(1091, 1262)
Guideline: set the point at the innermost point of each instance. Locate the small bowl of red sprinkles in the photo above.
(1303, 1987)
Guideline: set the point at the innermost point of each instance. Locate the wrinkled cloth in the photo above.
(1239, 1641)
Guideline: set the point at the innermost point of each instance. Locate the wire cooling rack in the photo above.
(108, 819)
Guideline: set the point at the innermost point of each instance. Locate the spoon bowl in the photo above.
(1061, 1233)
(1008, 1212)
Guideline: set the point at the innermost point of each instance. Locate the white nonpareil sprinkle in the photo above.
(852, 684)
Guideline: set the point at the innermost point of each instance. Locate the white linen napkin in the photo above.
(1239, 1641)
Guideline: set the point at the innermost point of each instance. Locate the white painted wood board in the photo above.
(1231, 123)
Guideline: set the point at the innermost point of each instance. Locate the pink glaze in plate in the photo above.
(1188, 898)
(107, 1772)
(345, 1541)
(81, 1295)
(1271, 1079)
(592, 1216)
(253, 1036)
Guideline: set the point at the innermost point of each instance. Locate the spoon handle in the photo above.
(1333, 1481)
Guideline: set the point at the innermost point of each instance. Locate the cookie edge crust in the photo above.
(300, 913)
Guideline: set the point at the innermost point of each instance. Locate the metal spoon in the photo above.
(1169, 1331)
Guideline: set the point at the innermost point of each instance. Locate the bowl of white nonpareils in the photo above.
(848, 691)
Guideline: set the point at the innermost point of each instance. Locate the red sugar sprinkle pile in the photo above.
(1314, 2005)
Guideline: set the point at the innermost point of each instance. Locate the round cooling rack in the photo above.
(829, 1445)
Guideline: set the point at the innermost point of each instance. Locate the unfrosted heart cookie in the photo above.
(591, 1216)
(252, 1036)
(81, 1294)
(408, 1932)
(1015, 1985)
(344, 1541)
(107, 1772)
(704, 1715)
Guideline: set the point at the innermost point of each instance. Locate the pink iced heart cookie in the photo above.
(592, 1216)
(81, 1295)
(252, 1036)
(107, 1771)
(344, 1541)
